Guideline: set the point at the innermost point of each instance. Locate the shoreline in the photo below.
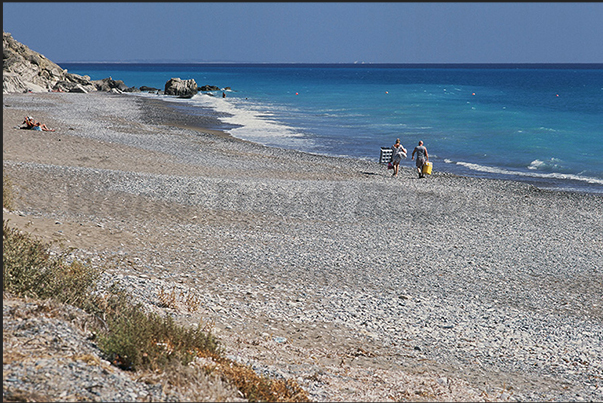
(484, 283)
(556, 182)
(543, 184)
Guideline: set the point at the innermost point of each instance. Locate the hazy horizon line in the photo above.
(343, 63)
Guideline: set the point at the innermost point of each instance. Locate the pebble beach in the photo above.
(359, 285)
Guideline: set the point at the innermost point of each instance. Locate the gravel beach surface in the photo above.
(359, 285)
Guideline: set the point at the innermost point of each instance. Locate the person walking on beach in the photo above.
(422, 157)
(398, 152)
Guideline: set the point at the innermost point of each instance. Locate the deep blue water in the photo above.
(537, 123)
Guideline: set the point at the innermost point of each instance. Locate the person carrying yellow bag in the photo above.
(422, 158)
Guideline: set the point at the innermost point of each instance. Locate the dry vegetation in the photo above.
(129, 336)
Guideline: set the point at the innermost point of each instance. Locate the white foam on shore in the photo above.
(535, 164)
(538, 164)
(552, 175)
(255, 122)
(252, 121)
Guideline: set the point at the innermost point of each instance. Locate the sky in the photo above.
(310, 32)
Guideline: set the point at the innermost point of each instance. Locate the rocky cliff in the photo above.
(26, 70)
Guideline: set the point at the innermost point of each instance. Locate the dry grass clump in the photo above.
(24, 396)
(169, 299)
(256, 388)
(191, 383)
(130, 337)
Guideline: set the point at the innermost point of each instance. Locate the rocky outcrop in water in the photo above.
(209, 88)
(149, 89)
(111, 85)
(181, 88)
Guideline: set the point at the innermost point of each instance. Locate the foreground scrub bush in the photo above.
(139, 339)
(29, 270)
(130, 337)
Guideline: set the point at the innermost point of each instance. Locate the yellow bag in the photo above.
(427, 168)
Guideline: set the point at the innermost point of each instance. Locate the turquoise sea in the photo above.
(537, 123)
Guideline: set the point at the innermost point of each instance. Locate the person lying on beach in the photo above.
(29, 122)
(33, 125)
(42, 127)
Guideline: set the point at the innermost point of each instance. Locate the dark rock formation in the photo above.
(149, 89)
(181, 88)
(209, 88)
(111, 85)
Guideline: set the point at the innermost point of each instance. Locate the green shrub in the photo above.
(129, 337)
(138, 339)
(22, 259)
(29, 270)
